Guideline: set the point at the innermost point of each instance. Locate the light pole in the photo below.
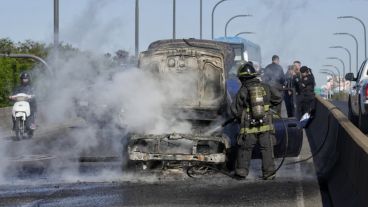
(174, 19)
(329, 95)
(56, 24)
(365, 31)
(200, 18)
(241, 33)
(332, 73)
(212, 16)
(236, 16)
(136, 28)
(341, 61)
(338, 71)
(34, 57)
(348, 54)
(357, 45)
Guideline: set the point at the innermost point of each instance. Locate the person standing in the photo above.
(274, 76)
(251, 109)
(306, 87)
(290, 90)
(296, 83)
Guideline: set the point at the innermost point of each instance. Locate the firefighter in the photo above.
(251, 108)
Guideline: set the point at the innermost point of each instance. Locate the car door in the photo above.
(355, 90)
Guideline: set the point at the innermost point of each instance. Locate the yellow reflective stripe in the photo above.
(246, 73)
(253, 130)
(266, 107)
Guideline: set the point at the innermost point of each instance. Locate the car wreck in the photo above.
(208, 62)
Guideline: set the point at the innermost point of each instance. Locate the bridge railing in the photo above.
(342, 159)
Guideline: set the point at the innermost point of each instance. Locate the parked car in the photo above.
(358, 98)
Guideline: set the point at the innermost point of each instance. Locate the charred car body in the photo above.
(208, 63)
(207, 105)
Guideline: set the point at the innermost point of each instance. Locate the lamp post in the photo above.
(212, 16)
(136, 28)
(348, 54)
(174, 19)
(234, 17)
(241, 33)
(329, 95)
(200, 18)
(357, 45)
(34, 57)
(341, 61)
(332, 73)
(338, 71)
(56, 24)
(365, 31)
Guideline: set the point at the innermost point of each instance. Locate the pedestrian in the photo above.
(290, 91)
(306, 89)
(296, 83)
(274, 76)
(252, 110)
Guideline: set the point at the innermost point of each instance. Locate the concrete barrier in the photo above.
(342, 161)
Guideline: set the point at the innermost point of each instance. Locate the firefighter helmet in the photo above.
(246, 70)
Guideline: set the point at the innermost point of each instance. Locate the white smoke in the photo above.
(90, 30)
(103, 102)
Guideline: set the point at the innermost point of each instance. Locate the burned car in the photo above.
(206, 101)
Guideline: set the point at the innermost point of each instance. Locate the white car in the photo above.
(358, 98)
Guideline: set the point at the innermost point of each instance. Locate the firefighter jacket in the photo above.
(240, 108)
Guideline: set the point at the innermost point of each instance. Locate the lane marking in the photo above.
(299, 187)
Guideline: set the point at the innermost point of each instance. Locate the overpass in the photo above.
(47, 171)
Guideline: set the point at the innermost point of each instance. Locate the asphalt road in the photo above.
(45, 171)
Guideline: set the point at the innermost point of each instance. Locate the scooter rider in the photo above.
(26, 87)
(252, 109)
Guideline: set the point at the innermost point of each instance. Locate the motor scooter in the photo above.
(21, 116)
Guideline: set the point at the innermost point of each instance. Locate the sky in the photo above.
(293, 29)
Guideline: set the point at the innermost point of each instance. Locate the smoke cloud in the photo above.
(103, 102)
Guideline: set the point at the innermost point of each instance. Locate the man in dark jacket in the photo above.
(25, 87)
(289, 93)
(252, 109)
(274, 76)
(306, 91)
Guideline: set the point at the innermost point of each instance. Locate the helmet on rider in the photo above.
(25, 78)
(246, 71)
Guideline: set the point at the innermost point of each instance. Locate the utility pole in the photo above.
(364, 30)
(212, 17)
(236, 16)
(200, 18)
(174, 19)
(56, 24)
(136, 28)
(356, 44)
(349, 54)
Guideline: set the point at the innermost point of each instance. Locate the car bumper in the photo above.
(179, 147)
(211, 158)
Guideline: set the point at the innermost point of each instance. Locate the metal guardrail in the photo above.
(342, 163)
